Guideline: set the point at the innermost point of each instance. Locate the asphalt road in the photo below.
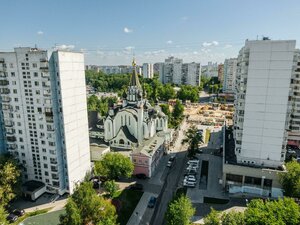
(169, 190)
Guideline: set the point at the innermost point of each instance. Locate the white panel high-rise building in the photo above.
(174, 71)
(44, 116)
(148, 70)
(264, 73)
(229, 75)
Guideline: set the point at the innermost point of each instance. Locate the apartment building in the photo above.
(221, 73)
(265, 75)
(174, 71)
(210, 70)
(44, 116)
(230, 66)
(148, 70)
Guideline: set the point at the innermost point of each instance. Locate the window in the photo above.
(34, 65)
(36, 83)
(15, 91)
(16, 99)
(13, 74)
(11, 65)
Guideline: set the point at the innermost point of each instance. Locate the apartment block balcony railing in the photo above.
(10, 131)
(12, 146)
(11, 139)
(45, 75)
(4, 82)
(43, 60)
(6, 99)
(49, 119)
(4, 91)
(2, 60)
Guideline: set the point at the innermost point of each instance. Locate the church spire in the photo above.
(135, 88)
(134, 80)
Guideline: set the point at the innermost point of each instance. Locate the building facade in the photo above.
(221, 73)
(264, 73)
(230, 68)
(44, 116)
(148, 70)
(174, 71)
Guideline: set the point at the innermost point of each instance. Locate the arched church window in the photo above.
(125, 119)
(122, 120)
(161, 123)
(121, 142)
(129, 120)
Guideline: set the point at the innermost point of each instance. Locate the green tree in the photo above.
(3, 215)
(290, 180)
(188, 92)
(193, 138)
(111, 187)
(233, 218)
(86, 207)
(177, 113)
(9, 179)
(113, 166)
(180, 211)
(72, 216)
(281, 212)
(167, 92)
(213, 218)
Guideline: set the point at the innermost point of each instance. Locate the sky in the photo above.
(111, 32)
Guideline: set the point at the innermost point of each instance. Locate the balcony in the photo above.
(12, 146)
(10, 131)
(43, 60)
(2, 60)
(4, 91)
(49, 119)
(45, 75)
(6, 99)
(3, 75)
(46, 84)
(11, 139)
(4, 82)
(6, 107)
(47, 93)
(8, 124)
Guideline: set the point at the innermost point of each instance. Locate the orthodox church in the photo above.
(132, 124)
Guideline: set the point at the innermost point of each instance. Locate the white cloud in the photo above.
(205, 50)
(127, 30)
(169, 42)
(156, 52)
(40, 32)
(195, 52)
(64, 47)
(208, 44)
(128, 50)
(228, 46)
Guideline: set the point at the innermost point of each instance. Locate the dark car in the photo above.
(141, 176)
(152, 202)
(19, 212)
(138, 187)
(12, 218)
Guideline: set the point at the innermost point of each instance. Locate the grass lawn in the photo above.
(30, 214)
(128, 199)
(51, 218)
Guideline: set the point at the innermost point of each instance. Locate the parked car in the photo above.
(189, 179)
(138, 187)
(12, 218)
(141, 176)
(190, 176)
(290, 151)
(18, 212)
(170, 163)
(152, 202)
(172, 158)
(189, 184)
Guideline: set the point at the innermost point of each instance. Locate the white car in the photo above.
(189, 184)
(189, 180)
(190, 176)
(193, 162)
(192, 167)
(290, 151)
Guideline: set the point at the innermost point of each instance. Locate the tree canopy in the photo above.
(86, 207)
(280, 212)
(193, 138)
(180, 211)
(188, 92)
(100, 105)
(113, 166)
(290, 181)
(9, 179)
(111, 187)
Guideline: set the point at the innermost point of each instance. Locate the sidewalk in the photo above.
(140, 209)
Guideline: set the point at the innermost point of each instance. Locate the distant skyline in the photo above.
(111, 32)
